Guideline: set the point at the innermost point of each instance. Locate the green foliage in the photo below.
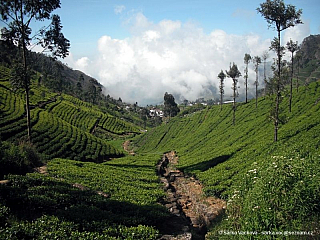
(220, 155)
(277, 194)
(279, 15)
(170, 107)
(77, 200)
(17, 159)
(63, 126)
(130, 179)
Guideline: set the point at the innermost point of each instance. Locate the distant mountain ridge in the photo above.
(310, 48)
(309, 62)
(47, 66)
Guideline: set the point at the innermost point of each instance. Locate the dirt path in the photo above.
(127, 148)
(185, 199)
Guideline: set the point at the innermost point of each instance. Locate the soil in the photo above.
(43, 170)
(192, 211)
(127, 148)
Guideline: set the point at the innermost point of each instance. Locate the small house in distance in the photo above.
(156, 113)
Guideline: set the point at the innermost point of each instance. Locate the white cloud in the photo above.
(82, 63)
(119, 9)
(170, 56)
(297, 33)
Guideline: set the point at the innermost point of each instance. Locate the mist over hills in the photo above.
(309, 51)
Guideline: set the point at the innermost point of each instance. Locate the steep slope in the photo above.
(269, 186)
(217, 152)
(63, 126)
(309, 59)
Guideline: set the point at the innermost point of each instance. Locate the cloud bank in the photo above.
(170, 56)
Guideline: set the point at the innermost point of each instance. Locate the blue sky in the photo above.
(85, 21)
(141, 49)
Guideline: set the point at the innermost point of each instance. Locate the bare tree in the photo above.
(221, 76)
(256, 62)
(247, 59)
(292, 47)
(265, 55)
(234, 73)
(298, 57)
(280, 17)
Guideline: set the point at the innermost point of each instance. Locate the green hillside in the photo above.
(223, 156)
(207, 143)
(90, 188)
(63, 126)
(80, 193)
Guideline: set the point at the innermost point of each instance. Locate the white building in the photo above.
(156, 113)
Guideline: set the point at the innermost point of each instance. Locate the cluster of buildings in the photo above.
(155, 112)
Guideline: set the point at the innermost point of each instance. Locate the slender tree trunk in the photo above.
(297, 83)
(26, 86)
(26, 80)
(221, 99)
(234, 102)
(264, 77)
(290, 99)
(257, 90)
(247, 83)
(278, 94)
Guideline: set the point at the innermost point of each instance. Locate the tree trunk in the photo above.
(257, 92)
(297, 83)
(26, 81)
(278, 94)
(234, 102)
(247, 83)
(290, 99)
(265, 77)
(221, 95)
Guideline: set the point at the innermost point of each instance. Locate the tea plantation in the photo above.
(283, 193)
(62, 125)
(91, 189)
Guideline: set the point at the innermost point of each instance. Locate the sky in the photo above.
(140, 49)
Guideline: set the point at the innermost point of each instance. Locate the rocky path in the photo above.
(192, 211)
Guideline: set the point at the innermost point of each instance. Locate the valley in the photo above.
(98, 171)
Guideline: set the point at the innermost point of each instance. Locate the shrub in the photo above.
(281, 194)
(18, 159)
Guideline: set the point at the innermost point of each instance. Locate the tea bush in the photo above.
(18, 159)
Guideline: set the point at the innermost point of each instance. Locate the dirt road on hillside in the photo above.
(186, 200)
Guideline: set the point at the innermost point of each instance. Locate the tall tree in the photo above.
(221, 76)
(256, 62)
(280, 17)
(292, 47)
(92, 91)
(298, 57)
(247, 59)
(265, 56)
(17, 15)
(79, 90)
(234, 73)
(170, 107)
(81, 78)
